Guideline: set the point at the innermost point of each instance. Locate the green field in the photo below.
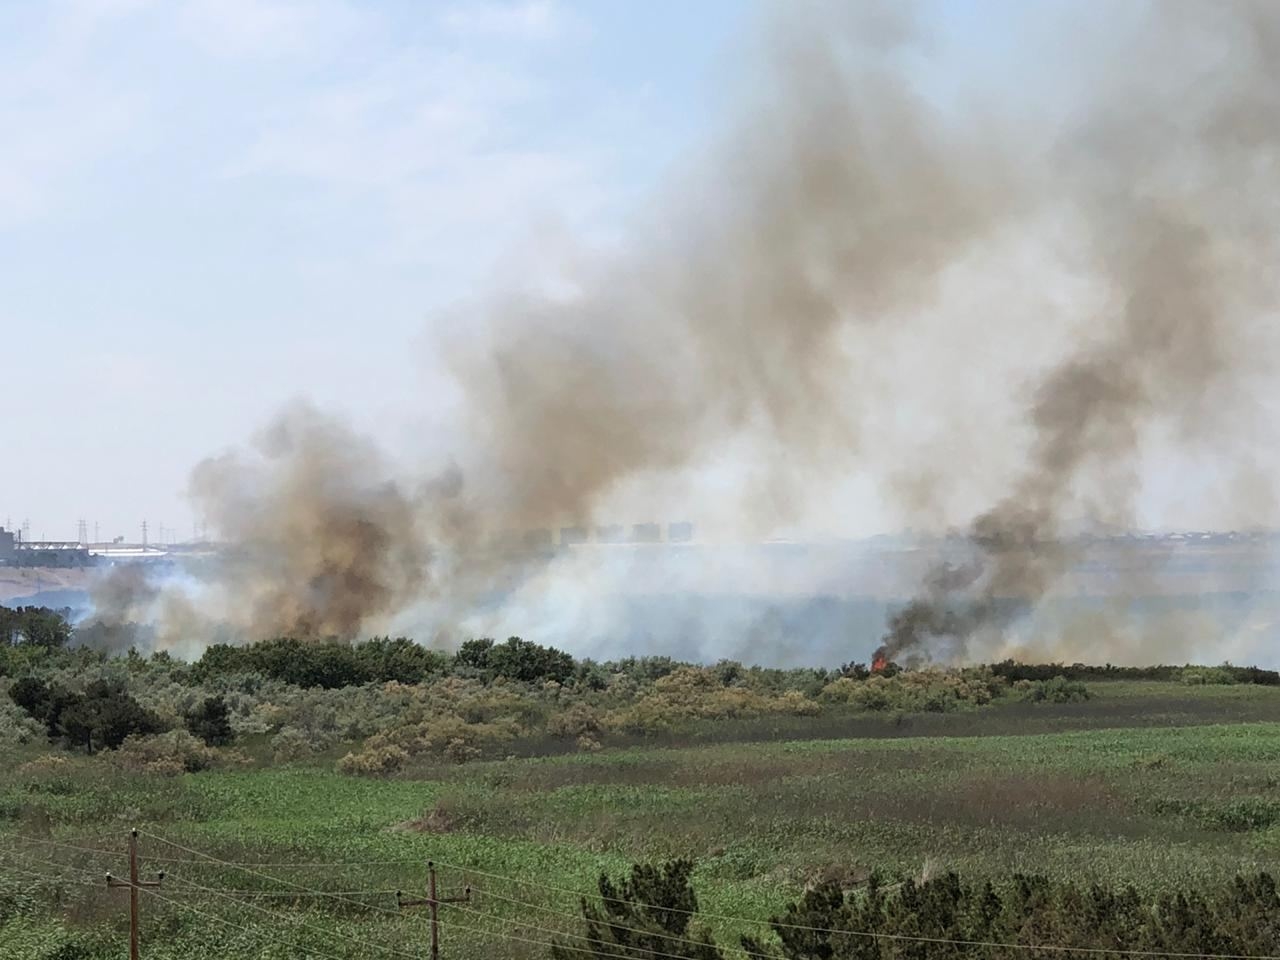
(1147, 783)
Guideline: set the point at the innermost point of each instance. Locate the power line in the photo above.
(279, 880)
(579, 936)
(1055, 948)
(241, 927)
(729, 918)
(578, 916)
(299, 922)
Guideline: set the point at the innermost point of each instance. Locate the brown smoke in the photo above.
(837, 201)
(1167, 175)
(323, 543)
(835, 208)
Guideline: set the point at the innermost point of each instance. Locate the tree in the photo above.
(34, 696)
(211, 722)
(530, 662)
(102, 716)
(34, 626)
(644, 916)
(474, 654)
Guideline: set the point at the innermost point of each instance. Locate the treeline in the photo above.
(1013, 670)
(332, 664)
(653, 912)
(34, 626)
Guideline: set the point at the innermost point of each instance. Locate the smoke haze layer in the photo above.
(989, 319)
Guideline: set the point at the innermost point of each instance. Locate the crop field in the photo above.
(1146, 784)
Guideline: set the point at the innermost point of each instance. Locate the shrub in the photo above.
(578, 720)
(1057, 690)
(290, 744)
(1198, 676)
(378, 761)
(516, 659)
(649, 913)
(44, 765)
(17, 726)
(168, 754)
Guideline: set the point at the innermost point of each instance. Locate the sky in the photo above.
(209, 208)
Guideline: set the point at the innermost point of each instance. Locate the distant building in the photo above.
(680, 532)
(646, 533)
(570, 536)
(8, 550)
(611, 533)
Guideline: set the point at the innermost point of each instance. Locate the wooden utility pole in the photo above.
(134, 884)
(433, 902)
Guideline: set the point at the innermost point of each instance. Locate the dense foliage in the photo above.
(36, 626)
(101, 715)
(651, 913)
(973, 919)
(387, 703)
(644, 915)
(1014, 670)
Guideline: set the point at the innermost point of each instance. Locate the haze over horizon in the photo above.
(215, 209)
(374, 287)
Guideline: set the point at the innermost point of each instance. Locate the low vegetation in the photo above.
(887, 802)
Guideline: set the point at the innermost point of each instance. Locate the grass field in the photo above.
(1148, 783)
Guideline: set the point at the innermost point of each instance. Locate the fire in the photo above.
(879, 661)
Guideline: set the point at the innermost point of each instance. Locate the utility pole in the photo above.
(433, 902)
(134, 884)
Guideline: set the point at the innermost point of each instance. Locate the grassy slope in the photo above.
(1148, 783)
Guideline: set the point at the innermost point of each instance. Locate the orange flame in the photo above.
(878, 663)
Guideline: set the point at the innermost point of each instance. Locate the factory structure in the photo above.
(18, 551)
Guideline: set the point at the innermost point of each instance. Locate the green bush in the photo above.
(1057, 690)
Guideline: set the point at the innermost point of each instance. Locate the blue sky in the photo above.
(210, 207)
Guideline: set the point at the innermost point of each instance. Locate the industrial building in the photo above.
(16, 552)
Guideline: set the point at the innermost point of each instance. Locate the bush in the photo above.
(378, 761)
(931, 691)
(515, 659)
(1198, 676)
(1057, 690)
(168, 754)
(17, 726)
(291, 744)
(647, 914)
(578, 720)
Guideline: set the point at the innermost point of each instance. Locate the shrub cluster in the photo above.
(1013, 670)
(654, 911)
(329, 664)
(102, 716)
(387, 702)
(1235, 918)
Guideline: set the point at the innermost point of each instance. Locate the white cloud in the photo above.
(526, 20)
(59, 115)
(269, 28)
(435, 139)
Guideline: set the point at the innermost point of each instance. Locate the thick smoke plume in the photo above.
(1166, 178)
(748, 309)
